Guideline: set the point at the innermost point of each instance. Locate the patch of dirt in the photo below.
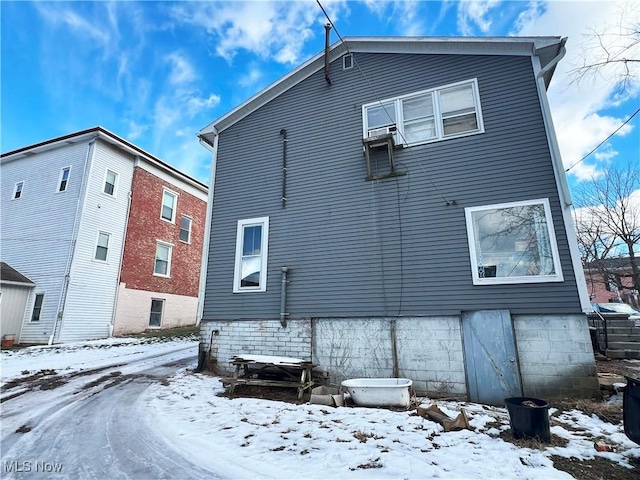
(607, 412)
(532, 443)
(23, 429)
(597, 468)
(630, 368)
(282, 394)
(34, 377)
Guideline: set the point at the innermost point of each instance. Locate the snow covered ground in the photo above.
(253, 438)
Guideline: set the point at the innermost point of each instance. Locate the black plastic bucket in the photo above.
(631, 409)
(529, 418)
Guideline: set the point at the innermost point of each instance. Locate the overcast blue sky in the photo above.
(155, 73)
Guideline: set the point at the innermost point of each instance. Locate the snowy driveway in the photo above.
(130, 409)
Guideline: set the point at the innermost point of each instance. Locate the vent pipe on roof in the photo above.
(327, 29)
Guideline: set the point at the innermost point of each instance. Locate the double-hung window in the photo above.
(169, 201)
(155, 317)
(513, 243)
(63, 181)
(185, 229)
(37, 307)
(102, 247)
(17, 190)
(162, 265)
(250, 273)
(426, 116)
(110, 182)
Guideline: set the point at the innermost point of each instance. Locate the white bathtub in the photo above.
(379, 392)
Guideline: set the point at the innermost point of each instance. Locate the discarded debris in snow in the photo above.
(449, 424)
(327, 396)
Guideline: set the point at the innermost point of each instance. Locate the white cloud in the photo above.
(136, 130)
(270, 30)
(196, 104)
(253, 76)
(576, 108)
(182, 71)
(474, 14)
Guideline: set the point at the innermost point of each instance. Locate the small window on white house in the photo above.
(37, 307)
(63, 181)
(426, 116)
(250, 273)
(157, 307)
(513, 243)
(185, 229)
(162, 266)
(17, 190)
(102, 247)
(347, 61)
(169, 200)
(110, 181)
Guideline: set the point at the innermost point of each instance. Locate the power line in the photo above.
(375, 94)
(604, 141)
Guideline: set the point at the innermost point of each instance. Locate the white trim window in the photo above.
(102, 247)
(162, 265)
(169, 203)
(37, 307)
(18, 188)
(427, 116)
(63, 180)
(250, 272)
(513, 243)
(110, 183)
(155, 315)
(185, 229)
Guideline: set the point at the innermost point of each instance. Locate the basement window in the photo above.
(513, 243)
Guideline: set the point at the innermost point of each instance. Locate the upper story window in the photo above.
(169, 201)
(17, 190)
(347, 61)
(64, 179)
(250, 273)
(513, 243)
(102, 247)
(162, 265)
(426, 116)
(185, 229)
(110, 182)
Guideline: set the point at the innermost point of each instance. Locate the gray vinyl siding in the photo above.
(37, 229)
(90, 302)
(391, 247)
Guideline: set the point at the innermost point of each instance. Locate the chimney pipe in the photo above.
(327, 29)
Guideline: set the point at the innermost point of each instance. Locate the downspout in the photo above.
(283, 132)
(327, 36)
(213, 148)
(283, 298)
(82, 200)
(124, 240)
(561, 178)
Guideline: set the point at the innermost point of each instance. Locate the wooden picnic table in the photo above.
(249, 368)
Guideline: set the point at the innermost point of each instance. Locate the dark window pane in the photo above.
(37, 307)
(252, 242)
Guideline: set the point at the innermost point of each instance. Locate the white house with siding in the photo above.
(65, 209)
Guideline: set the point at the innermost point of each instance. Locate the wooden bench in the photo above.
(248, 368)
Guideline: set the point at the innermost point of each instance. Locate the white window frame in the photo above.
(477, 280)
(188, 231)
(16, 191)
(115, 184)
(237, 272)
(33, 309)
(66, 185)
(155, 258)
(399, 127)
(166, 191)
(162, 300)
(347, 61)
(108, 247)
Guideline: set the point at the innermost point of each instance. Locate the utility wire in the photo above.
(375, 94)
(604, 141)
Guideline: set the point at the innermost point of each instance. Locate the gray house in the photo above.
(397, 207)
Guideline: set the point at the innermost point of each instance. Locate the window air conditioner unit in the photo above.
(380, 132)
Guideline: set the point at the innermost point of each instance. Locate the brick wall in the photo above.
(146, 227)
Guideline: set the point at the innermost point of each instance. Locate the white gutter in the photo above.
(207, 226)
(82, 200)
(561, 179)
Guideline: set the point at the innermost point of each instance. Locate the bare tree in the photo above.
(608, 222)
(613, 53)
